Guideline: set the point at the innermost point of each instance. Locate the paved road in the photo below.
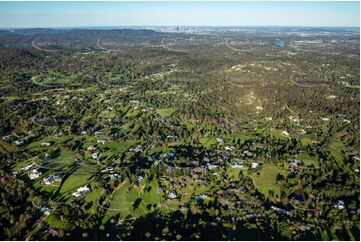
(39, 48)
(172, 49)
(104, 48)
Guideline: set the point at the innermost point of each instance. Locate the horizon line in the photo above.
(201, 26)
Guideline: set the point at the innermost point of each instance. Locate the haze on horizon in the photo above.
(78, 14)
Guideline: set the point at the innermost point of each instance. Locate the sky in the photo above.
(82, 14)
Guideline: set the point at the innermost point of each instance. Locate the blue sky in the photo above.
(77, 14)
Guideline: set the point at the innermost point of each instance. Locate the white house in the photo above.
(95, 155)
(6, 137)
(46, 144)
(58, 177)
(254, 165)
(340, 204)
(19, 142)
(219, 140)
(284, 132)
(234, 165)
(199, 197)
(80, 191)
(210, 166)
(25, 168)
(172, 195)
(137, 149)
(46, 211)
(83, 189)
(33, 174)
(76, 194)
(48, 180)
(139, 178)
(101, 141)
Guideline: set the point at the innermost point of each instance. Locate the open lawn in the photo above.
(267, 179)
(122, 202)
(165, 112)
(81, 176)
(307, 159)
(208, 141)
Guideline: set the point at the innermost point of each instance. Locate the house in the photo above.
(340, 204)
(6, 137)
(294, 162)
(91, 148)
(294, 119)
(248, 153)
(46, 144)
(169, 169)
(285, 133)
(254, 165)
(101, 141)
(19, 142)
(76, 194)
(139, 178)
(171, 137)
(302, 131)
(210, 166)
(198, 169)
(220, 140)
(199, 197)
(280, 210)
(114, 176)
(46, 211)
(137, 149)
(172, 195)
(98, 133)
(95, 155)
(134, 103)
(169, 155)
(25, 168)
(325, 119)
(34, 174)
(107, 170)
(49, 180)
(235, 165)
(58, 177)
(81, 190)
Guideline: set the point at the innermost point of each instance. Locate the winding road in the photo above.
(42, 49)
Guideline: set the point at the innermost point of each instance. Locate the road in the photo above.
(42, 49)
(172, 49)
(103, 48)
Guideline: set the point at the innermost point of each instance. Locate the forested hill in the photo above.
(61, 37)
(79, 32)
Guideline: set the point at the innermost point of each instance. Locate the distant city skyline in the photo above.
(87, 14)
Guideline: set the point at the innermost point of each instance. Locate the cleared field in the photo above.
(165, 112)
(308, 159)
(208, 141)
(267, 179)
(80, 177)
